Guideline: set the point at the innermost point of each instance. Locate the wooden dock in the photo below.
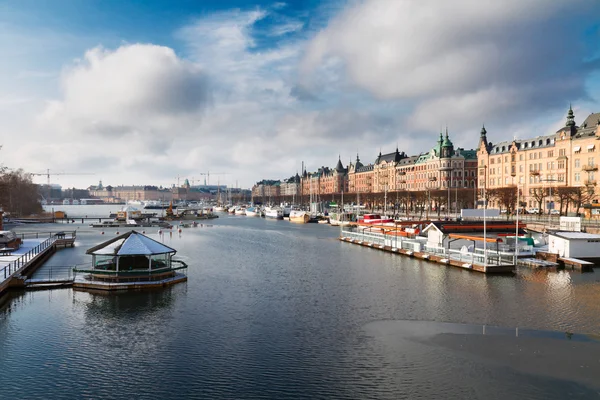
(439, 259)
(575, 263)
(16, 272)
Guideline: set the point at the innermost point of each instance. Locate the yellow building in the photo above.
(542, 164)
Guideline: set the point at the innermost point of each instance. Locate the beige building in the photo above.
(567, 158)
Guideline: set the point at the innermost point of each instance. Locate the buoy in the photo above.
(159, 232)
(102, 233)
(116, 233)
(179, 230)
(144, 232)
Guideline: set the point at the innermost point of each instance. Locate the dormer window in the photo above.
(540, 142)
(532, 144)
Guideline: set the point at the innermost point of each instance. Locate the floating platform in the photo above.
(439, 259)
(81, 282)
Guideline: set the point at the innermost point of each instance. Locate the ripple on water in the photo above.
(275, 310)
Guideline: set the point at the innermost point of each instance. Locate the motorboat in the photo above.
(370, 219)
(253, 212)
(240, 211)
(340, 219)
(273, 212)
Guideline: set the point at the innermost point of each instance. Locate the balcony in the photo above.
(590, 182)
(446, 168)
(402, 173)
(534, 172)
(589, 168)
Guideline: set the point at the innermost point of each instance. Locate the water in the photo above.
(278, 310)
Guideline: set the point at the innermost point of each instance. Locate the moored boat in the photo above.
(301, 217)
(273, 212)
(240, 211)
(340, 219)
(253, 212)
(369, 219)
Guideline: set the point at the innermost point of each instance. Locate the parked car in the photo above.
(554, 212)
(533, 211)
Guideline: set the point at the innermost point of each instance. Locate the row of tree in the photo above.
(18, 194)
(566, 197)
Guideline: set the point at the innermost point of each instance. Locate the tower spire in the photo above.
(570, 117)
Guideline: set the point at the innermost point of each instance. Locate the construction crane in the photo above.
(208, 174)
(48, 174)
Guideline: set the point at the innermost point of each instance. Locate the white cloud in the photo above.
(135, 87)
(249, 95)
(458, 62)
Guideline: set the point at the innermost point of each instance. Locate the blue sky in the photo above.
(144, 91)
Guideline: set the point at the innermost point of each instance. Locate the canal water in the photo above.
(274, 310)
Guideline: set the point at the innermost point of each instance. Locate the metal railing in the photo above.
(494, 257)
(38, 235)
(54, 273)
(20, 262)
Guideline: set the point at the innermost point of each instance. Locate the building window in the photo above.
(577, 163)
(591, 161)
(550, 153)
(520, 157)
(577, 177)
(561, 152)
(520, 168)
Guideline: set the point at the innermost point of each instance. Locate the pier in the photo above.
(490, 262)
(18, 265)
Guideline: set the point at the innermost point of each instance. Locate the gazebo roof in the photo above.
(130, 244)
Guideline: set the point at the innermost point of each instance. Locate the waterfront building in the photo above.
(384, 171)
(266, 190)
(290, 187)
(325, 181)
(360, 177)
(542, 165)
(443, 167)
(117, 194)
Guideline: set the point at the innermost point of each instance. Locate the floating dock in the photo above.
(36, 248)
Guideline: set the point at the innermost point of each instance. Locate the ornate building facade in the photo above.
(539, 165)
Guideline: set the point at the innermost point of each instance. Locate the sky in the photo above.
(154, 92)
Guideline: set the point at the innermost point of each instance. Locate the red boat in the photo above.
(371, 219)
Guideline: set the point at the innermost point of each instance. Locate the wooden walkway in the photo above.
(23, 262)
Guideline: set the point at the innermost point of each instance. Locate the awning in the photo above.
(591, 146)
(577, 148)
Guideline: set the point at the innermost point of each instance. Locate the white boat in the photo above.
(301, 217)
(340, 219)
(66, 202)
(240, 211)
(231, 210)
(135, 203)
(252, 212)
(273, 212)
(75, 202)
(155, 205)
(219, 208)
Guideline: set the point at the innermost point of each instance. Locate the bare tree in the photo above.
(18, 194)
(539, 194)
(563, 196)
(507, 198)
(582, 195)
